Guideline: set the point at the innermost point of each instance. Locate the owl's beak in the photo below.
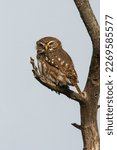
(43, 50)
(46, 47)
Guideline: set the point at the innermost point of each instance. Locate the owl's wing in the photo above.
(63, 62)
(59, 58)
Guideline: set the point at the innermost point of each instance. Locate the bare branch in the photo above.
(76, 126)
(92, 27)
(88, 18)
(98, 106)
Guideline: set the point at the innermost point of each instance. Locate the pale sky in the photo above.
(33, 117)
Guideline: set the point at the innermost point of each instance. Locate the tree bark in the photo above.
(88, 100)
(88, 110)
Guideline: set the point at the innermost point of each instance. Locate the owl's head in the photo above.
(47, 44)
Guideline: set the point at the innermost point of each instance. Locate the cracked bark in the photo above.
(89, 100)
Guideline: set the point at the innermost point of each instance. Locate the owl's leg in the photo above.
(78, 89)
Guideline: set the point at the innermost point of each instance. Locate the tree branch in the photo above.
(88, 17)
(76, 126)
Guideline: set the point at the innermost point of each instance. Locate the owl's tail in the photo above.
(78, 89)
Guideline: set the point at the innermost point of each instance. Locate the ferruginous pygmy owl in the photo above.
(55, 64)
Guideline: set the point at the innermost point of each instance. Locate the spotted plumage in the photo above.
(55, 64)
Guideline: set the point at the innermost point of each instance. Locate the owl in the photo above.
(55, 64)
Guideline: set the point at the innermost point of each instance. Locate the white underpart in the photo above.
(39, 67)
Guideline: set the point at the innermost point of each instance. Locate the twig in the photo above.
(98, 106)
(76, 126)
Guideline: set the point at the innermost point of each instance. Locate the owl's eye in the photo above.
(52, 44)
(40, 47)
(40, 44)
